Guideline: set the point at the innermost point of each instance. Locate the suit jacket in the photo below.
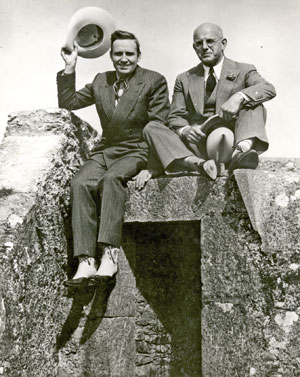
(146, 100)
(188, 98)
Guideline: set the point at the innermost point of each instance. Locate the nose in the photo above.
(123, 57)
(204, 45)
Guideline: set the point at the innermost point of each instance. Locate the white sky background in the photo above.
(262, 32)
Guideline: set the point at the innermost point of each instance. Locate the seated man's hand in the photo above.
(143, 177)
(193, 134)
(230, 109)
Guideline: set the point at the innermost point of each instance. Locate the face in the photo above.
(209, 45)
(124, 56)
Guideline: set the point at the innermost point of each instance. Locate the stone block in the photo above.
(39, 155)
(209, 273)
(108, 350)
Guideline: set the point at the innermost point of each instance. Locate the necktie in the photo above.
(120, 86)
(210, 82)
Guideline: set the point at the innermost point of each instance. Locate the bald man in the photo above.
(217, 85)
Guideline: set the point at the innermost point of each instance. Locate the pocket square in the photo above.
(231, 76)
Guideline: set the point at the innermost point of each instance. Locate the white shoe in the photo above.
(85, 270)
(109, 265)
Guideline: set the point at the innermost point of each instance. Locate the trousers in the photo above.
(169, 147)
(98, 197)
(166, 144)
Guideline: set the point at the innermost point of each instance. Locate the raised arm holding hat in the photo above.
(127, 99)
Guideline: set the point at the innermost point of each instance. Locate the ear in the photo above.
(196, 50)
(139, 57)
(110, 54)
(224, 43)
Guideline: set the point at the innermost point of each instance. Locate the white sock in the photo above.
(243, 146)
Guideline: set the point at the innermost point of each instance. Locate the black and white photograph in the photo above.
(149, 188)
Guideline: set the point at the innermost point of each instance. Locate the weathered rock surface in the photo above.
(38, 157)
(208, 281)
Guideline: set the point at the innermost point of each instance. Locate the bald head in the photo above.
(208, 28)
(209, 43)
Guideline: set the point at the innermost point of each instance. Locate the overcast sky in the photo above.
(262, 32)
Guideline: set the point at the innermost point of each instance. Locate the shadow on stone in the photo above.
(202, 193)
(72, 263)
(97, 311)
(168, 312)
(81, 299)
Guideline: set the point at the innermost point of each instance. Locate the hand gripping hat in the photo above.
(91, 28)
(220, 139)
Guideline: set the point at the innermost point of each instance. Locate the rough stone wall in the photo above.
(275, 214)
(39, 155)
(249, 263)
(208, 280)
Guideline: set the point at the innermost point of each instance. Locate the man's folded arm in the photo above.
(68, 98)
(257, 90)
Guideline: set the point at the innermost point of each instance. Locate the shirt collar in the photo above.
(217, 70)
(128, 78)
(117, 76)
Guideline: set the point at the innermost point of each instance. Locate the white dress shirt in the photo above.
(217, 71)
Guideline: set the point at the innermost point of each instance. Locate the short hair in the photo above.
(121, 34)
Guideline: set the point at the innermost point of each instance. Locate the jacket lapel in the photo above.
(228, 76)
(197, 88)
(107, 94)
(130, 97)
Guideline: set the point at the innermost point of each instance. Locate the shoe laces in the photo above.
(87, 259)
(112, 253)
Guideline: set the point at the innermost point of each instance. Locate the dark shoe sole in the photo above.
(99, 279)
(76, 283)
(209, 169)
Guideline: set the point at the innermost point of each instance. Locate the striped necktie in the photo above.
(120, 86)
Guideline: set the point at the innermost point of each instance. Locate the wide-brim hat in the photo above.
(213, 123)
(219, 144)
(91, 28)
(219, 138)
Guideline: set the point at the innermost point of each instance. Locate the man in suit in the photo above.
(126, 100)
(221, 86)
